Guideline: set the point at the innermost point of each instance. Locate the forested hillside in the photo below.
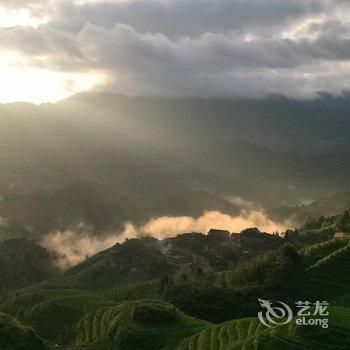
(192, 291)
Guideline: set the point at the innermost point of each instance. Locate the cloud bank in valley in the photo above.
(163, 227)
(73, 247)
(190, 47)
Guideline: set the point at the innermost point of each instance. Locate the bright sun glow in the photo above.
(18, 18)
(41, 85)
(21, 83)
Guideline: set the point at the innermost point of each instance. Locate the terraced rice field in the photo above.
(225, 336)
(317, 252)
(245, 334)
(249, 333)
(54, 314)
(97, 324)
(142, 290)
(330, 277)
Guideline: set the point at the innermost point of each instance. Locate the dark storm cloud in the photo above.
(214, 64)
(185, 17)
(192, 47)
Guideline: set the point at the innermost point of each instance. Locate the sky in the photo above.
(51, 49)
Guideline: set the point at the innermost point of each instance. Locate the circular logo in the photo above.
(275, 313)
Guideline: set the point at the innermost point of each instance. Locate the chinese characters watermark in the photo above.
(308, 313)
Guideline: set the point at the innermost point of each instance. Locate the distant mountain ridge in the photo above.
(324, 206)
(148, 145)
(277, 123)
(98, 209)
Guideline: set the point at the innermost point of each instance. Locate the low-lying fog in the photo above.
(73, 247)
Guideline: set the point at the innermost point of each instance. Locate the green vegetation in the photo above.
(149, 289)
(23, 262)
(172, 295)
(137, 325)
(130, 262)
(315, 253)
(234, 293)
(77, 318)
(329, 276)
(14, 336)
(53, 313)
(342, 223)
(249, 333)
(328, 279)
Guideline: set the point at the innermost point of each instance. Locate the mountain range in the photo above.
(255, 149)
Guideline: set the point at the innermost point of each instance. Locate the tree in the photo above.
(342, 222)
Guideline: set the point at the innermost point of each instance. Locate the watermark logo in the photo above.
(277, 313)
(308, 314)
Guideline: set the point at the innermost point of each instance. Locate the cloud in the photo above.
(36, 8)
(184, 17)
(218, 64)
(73, 247)
(240, 202)
(163, 227)
(40, 41)
(193, 47)
(170, 17)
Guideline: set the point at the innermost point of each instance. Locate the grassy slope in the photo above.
(81, 319)
(149, 289)
(317, 252)
(131, 262)
(14, 336)
(245, 334)
(23, 262)
(328, 275)
(97, 321)
(118, 325)
(329, 279)
(249, 333)
(53, 313)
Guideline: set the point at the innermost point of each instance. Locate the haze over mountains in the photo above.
(148, 146)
